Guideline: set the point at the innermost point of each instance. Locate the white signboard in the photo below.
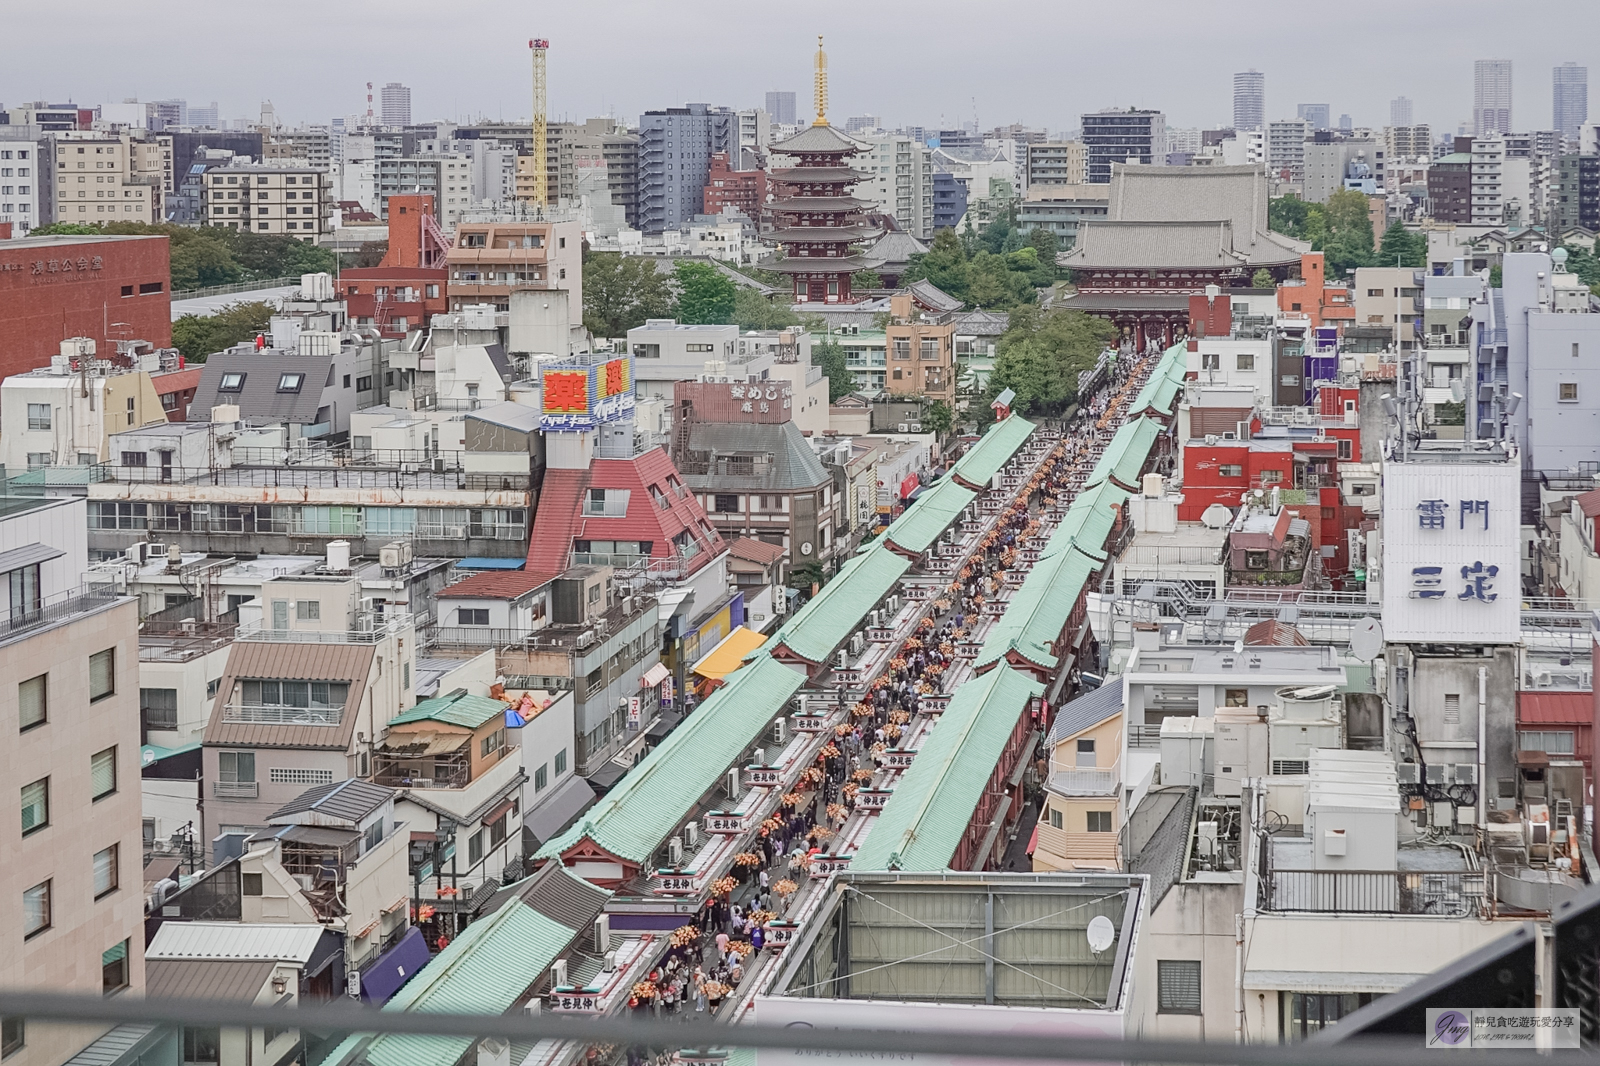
(724, 822)
(583, 1001)
(1451, 552)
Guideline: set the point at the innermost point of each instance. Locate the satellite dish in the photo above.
(1216, 516)
(1101, 933)
(1366, 639)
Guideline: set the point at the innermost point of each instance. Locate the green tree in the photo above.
(829, 355)
(751, 310)
(1262, 279)
(1041, 354)
(705, 294)
(944, 264)
(197, 336)
(866, 279)
(1289, 216)
(623, 291)
(1047, 246)
(994, 286)
(1348, 240)
(1399, 243)
(197, 264)
(1038, 268)
(938, 417)
(1494, 276)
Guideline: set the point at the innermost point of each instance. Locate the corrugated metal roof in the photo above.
(656, 796)
(829, 617)
(347, 801)
(993, 450)
(1125, 456)
(236, 941)
(557, 894)
(1088, 522)
(1038, 612)
(1173, 360)
(206, 979)
(463, 709)
(1555, 708)
(305, 662)
(497, 585)
(112, 1047)
(932, 805)
(932, 514)
(485, 970)
(794, 465)
(521, 417)
(1088, 710)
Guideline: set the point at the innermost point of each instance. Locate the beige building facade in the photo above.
(102, 177)
(287, 200)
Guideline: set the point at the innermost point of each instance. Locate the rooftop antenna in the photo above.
(370, 123)
(820, 89)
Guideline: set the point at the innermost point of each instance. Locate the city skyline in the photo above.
(315, 83)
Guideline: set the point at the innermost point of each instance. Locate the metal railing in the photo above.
(1445, 894)
(20, 621)
(338, 477)
(1085, 781)
(378, 629)
(235, 789)
(238, 286)
(281, 714)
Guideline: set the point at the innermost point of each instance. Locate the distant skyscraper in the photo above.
(1316, 114)
(1249, 100)
(1570, 106)
(1491, 96)
(396, 105)
(780, 106)
(1400, 111)
(1345, 123)
(204, 117)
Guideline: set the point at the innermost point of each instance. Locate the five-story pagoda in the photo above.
(815, 218)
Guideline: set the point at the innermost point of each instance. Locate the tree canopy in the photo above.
(214, 255)
(198, 336)
(623, 291)
(995, 273)
(1342, 229)
(829, 355)
(706, 296)
(751, 310)
(1041, 354)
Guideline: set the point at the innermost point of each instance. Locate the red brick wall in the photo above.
(51, 290)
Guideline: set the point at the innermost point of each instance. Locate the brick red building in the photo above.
(743, 190)
(408, 287)
(109, 288)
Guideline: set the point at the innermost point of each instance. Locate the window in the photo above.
(38, 459)
(541, 777)
(114, 968)
(347, 381)
(498, 829)
(103, 773)
(364, 384)
(1210, 361)
(35, 806)
(1255, 560)
(725, 503)
(102, 674)
(12, 1036)
(491, 743)
(1055, 818)
(202, 1047)
(475, 849)
(159, 707)
(1086, 751)
(1307, 1013)
(36, 909)
(1574, 355)
(1178, 986)
(33, 702)
(472, 616)
(1099, 821)
(1231, 470)
(1346, 448)
(1244, 362)
(1569, 392)
(231, 382)
(105, 872)
(250, 884)
(290, 382)
(135, 458)
(308, 610)
(150, 288)
(38, 416)
(1550, 741)
(236, 767)
(561, 761)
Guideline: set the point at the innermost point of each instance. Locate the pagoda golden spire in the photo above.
(821, 88)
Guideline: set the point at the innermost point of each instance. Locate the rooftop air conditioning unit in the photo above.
(844, 659)
(1211, 438)
(691, 836)
(780, 731)
(455, 532)
(558, 973)
(733, 783)
(916, 427)
(893, 605)
(857, 644)
(877, 618)
(422, 782)
(627, 605)
(905, 427)
(674, 852)
(389, 557)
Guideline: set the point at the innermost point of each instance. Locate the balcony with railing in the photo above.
(1444, 894)
(1085, 780)
(235, 789)
(370, 629)
(281, 713)
(23, 620)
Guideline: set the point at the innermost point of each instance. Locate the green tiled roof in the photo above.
(993, 450)
(485, 970)
(464, 710)
(932, 805)
(931, 514)
(1036, 614)
(828, 619)
(1088, 522)
(1125, 456)
(653, 799)
(1160, 389)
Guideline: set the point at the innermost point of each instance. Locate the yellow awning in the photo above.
(726, 657)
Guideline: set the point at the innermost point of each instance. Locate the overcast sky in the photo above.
(931, 63)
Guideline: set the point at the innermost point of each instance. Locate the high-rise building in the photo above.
(204, 117)
(675, 149)
(396, 105)
(1491, 96)
(1407, 142)
(1570, 101)
(1286, 148)
(1122, 136)
(1316, 114)
(1400, 111)
(901, 185)
(781, 107)
(1249, 100)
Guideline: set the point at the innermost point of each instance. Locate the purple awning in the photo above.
(394, 967)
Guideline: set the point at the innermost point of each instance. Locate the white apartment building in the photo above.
(101, 177)
(296, 201)
(65, 414)
(1488, 164)
(447, 176)
(901, 181)
(1407, 142)
(1056, 163)
(20, 192)
(1286, 148)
